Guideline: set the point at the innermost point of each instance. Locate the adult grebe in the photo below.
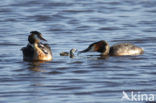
(121, 49)
(35, 50)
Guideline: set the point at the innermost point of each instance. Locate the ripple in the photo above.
(139, 40)
(58, 4)
(83, 93)
(151, 11)
(147, 22)
(83, 28)
(110, 28)
(55, 72)
(25, 3)
(150, 30)
(81, 71)
(5, 10)
(78, 11)
(41, 17)
(9, 44)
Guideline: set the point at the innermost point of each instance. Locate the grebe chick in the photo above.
(121, 49)
(35, 50)
(70, 53)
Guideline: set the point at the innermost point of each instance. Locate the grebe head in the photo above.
(35, 37)
(100, 46)
(73, 50)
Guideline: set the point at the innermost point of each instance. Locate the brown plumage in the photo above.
(35, 50)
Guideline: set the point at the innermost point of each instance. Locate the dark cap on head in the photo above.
(35, 32)
(100, 46)
(32, 37)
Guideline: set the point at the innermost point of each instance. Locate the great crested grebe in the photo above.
(35, 50)
(121, 49)
(71, 53)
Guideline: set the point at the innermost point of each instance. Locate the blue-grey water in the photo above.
(67, 24)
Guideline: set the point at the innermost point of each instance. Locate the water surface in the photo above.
(87, 78)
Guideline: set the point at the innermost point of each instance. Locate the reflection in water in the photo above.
(36, 65)
(103, 57)
(97, 57)
(36, 81)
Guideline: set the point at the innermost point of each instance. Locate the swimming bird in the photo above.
(35, 50)
(71, 53)
(121, 49)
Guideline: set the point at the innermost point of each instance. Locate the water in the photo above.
(70, 24)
